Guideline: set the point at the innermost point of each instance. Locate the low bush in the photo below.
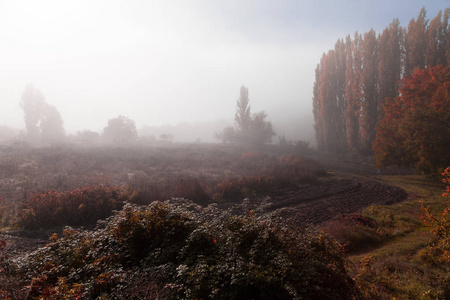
(439, 224)
(179, 250)
(76, 207)
(355, 232)
(9, 285)
(296, 166)
(238, 187)
(149, 190)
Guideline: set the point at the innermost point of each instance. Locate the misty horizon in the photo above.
(165, 64)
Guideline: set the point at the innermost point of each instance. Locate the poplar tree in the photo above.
(389, 64)
(242, 117)
(416, 43)
(369, 103)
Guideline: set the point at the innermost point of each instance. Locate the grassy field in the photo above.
(404, 265)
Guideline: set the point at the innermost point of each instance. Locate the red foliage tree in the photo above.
(415, 129)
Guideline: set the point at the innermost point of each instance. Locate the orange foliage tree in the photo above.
(415, 129)
(440, 224)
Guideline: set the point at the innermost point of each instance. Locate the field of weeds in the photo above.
(373, 221)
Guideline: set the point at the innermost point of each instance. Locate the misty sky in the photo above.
(164, 62)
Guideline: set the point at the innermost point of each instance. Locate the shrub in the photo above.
(184, 251)
(440, 224)
(355, 232)
(271, 175)
(237, 187)
(9, 284)
(297, 166)
(185, 186)
(80, 206)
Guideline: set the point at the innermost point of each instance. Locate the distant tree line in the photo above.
(354, 79)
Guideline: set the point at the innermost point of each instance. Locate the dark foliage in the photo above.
(179, 250)
(76, 207)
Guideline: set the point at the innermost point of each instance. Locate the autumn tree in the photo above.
(416, 43)
(353, 80)
(353, 92)
(437, 44)
(369, 105)
(120, 130)
(415, 129)
(446, 35)
(434, 41)
(317, 110)
(339, 87)
(329, 102)
(390, 48)
(325, 100)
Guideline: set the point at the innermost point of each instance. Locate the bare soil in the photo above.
(326, 199)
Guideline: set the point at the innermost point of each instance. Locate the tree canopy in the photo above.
(415, 129)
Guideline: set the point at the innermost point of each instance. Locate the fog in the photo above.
(173, 65)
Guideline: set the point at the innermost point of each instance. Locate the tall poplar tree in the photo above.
(353, 93)
(416, 43)
(339, 87)
(369, 100)
(434, 45)
(446, 35)
(390, 46)
(242, 116)
(317, 109)
(358, 76)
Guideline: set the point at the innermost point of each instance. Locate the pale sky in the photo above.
(165, 62)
